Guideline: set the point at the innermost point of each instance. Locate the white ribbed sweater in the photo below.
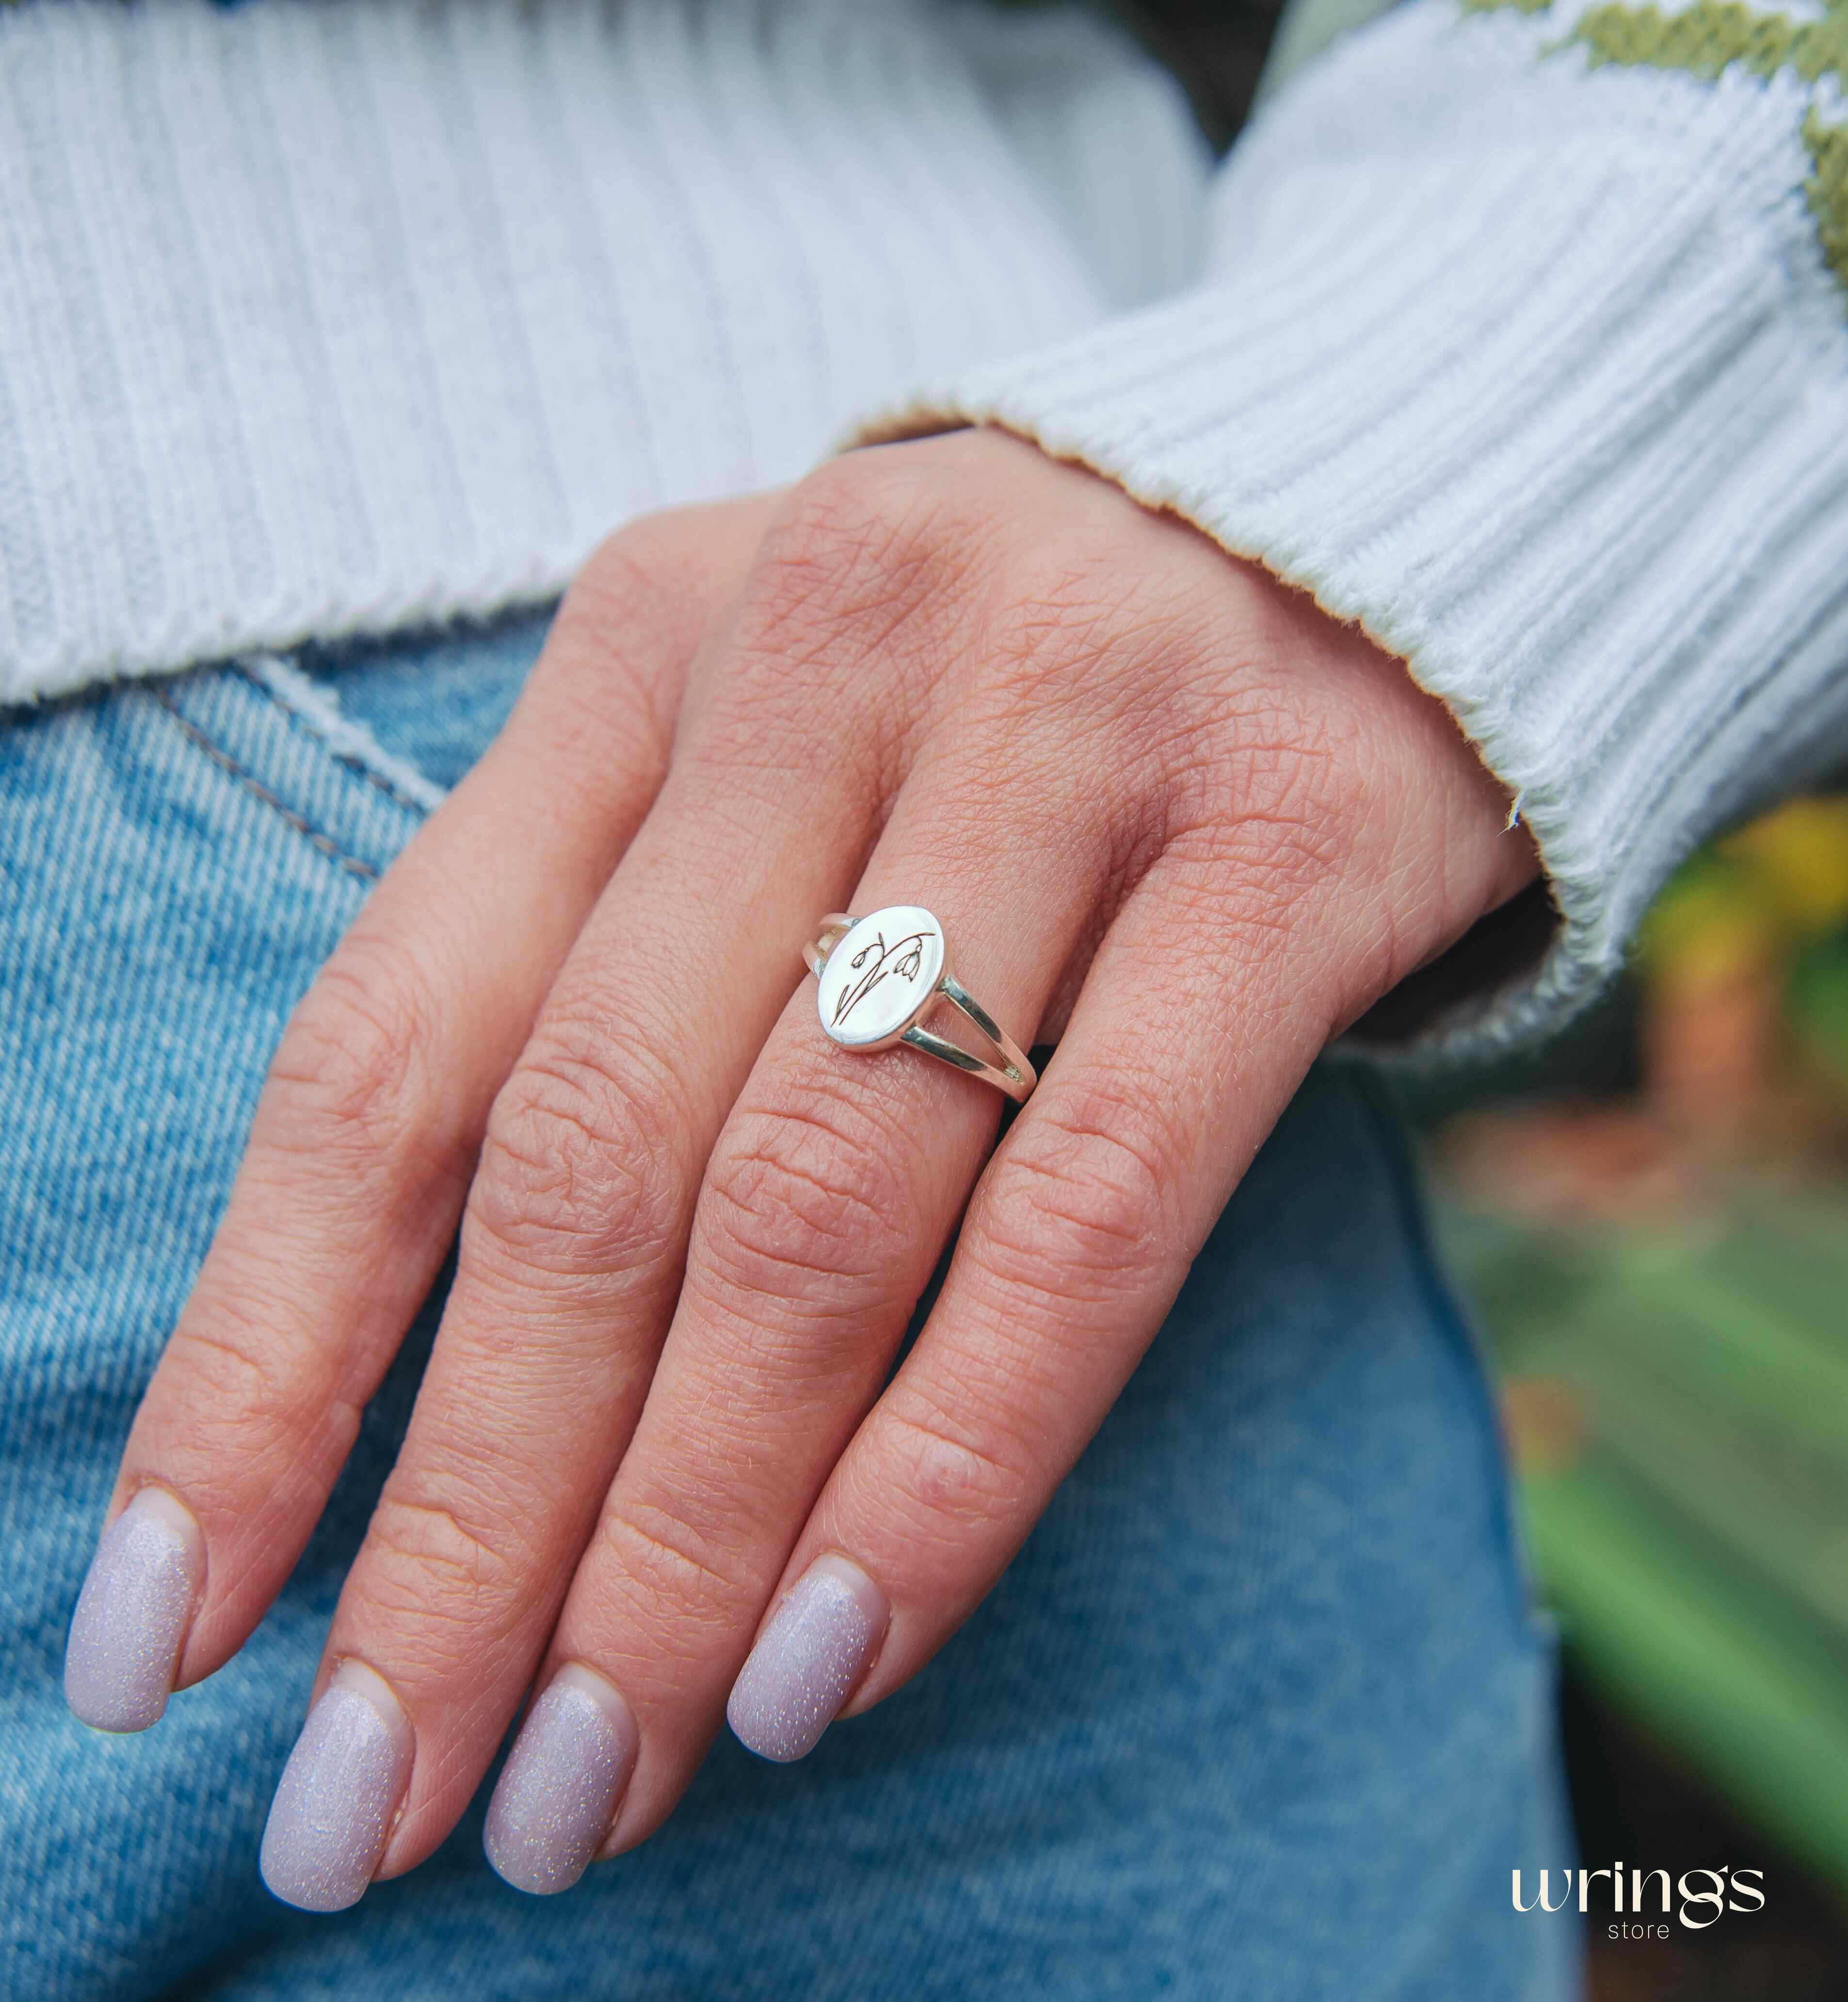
(325, 316)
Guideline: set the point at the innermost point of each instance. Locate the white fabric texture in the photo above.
(324, 319)
(1536, 371)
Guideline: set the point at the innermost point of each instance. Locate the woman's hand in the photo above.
(1165, 809)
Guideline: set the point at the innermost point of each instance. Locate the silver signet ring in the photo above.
(877, 977)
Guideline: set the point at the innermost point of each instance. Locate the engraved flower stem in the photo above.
(903, 957)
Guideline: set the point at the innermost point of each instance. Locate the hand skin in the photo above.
(1169, 813)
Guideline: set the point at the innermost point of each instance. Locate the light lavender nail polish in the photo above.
(807, 1660)
(132, 1613)
(559, 1790)
(339, 1793)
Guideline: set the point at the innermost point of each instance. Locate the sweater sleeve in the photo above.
(1522, 340)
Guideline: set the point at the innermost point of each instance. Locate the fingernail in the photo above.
(131, 1614)
(807, 1660)
(559, 1790)
(339, 1793)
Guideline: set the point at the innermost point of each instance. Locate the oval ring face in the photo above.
(881, 975)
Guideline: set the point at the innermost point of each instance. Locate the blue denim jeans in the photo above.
(1260, 1711)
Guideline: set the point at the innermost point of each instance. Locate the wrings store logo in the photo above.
(1696, 1899)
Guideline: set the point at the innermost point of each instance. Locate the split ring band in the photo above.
(877, 977)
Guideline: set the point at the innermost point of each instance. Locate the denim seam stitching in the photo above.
(360, 770)
(315, 837)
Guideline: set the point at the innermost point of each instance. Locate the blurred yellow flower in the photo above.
(1799, 856)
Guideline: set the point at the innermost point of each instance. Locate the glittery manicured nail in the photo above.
(559, 1790)
(807, 1660)
(131, 1615)
(339, 1793)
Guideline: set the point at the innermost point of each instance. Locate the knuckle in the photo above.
(248, 1407)
(856, 533)
(1263, 818)
(604, 698)
(244, 1387)
(217, 1367)
(864, 560)
(636, 604)
(644, 560)
(579, 1165)
(802, 1202)
(1080, 1207)
(1087, 684)
(1298, 774)
(350, 1076)
(668, 1562)
(435, 1573)
(959, 1474)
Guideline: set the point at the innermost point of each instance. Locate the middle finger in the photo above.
(830, 1194)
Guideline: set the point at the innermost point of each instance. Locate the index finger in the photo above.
(368, 1125)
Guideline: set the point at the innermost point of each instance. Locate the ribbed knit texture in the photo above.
(324, 319)
(1539, 374)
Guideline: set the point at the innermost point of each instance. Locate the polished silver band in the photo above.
(876, 978)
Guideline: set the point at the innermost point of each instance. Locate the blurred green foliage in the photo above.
(1675, 1371)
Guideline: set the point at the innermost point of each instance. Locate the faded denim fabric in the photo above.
(1259, 1712)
